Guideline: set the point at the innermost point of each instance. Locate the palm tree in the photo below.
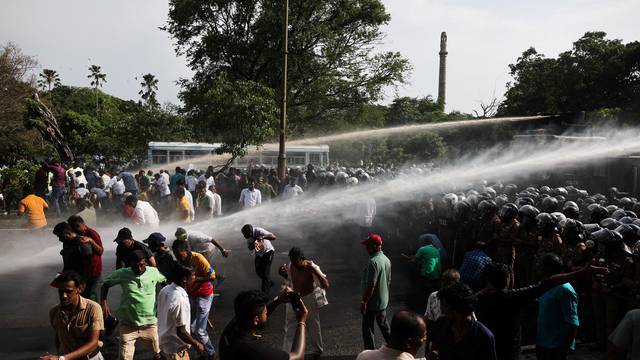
(149, 86)
(97, 79)
(48, 78)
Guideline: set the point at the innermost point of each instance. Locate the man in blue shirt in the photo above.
(557, 315)
(473, 265)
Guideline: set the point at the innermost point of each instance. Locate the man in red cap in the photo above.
(376, 280)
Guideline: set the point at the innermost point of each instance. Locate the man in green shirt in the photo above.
(137, 305)
(376, 280)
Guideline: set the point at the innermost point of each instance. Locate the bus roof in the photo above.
(157, 145)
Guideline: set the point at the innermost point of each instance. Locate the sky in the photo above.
(484, 37)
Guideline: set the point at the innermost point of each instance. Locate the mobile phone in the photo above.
(296, 301)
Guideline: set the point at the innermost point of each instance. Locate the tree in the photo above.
(240, 113)
(332, 60)
(123, 129)
(16, 84)
(97, 79)
(596, 73)
(488, 110)
(39, 117)
(49, 78)
(149, 86)
(408, 110)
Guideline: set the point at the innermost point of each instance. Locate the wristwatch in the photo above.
(60, 357)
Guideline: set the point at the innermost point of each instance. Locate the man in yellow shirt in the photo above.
(34, 206)
(183, 209)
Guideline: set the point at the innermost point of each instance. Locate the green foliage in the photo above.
(82, 131)
(407, 110)
(149, 86)
(21, 174)
(122, 128)
(48, 79)
(333, 68)
(596, 73)
(236, 113)
(96, 76)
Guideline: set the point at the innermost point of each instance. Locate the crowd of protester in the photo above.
(485, 257)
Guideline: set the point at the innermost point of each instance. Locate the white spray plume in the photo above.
(517, 161)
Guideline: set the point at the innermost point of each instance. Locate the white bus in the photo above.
(160, 153)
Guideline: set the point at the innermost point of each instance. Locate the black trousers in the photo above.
(379, 316)
(263, 270)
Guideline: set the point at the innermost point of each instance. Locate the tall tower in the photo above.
(442, 81)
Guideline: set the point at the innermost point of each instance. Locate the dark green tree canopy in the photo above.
(596, 73)
(332, 62)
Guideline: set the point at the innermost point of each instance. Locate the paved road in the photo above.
(26, 297)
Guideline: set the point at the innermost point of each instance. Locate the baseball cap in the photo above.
(372, 239)
(155, 238)
(123, 234)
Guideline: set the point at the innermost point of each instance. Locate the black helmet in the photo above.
(462, 210)
(618, 214)
(611, 208)
(589, 228)
(632, 214)
(487, 207)
(573, 231)
(549, 204)
(606, 236)
(561, 199)
(610, 223)
(571, 210)
(508, 212)
(545, 190)
(528, 211)
(626, 203)
(546, 223)
(627, 220)
(598, 213)
(629, 233)
(510, 189)
(561, 191)
(520, 202)
(501, 200)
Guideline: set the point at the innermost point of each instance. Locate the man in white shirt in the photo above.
(174, 317)
(146, 214)
(217, 201)
(259, 241)
(291, 190)
(191, 181)
(116, 186)
(250, 196)
(408, 335)
(201, 242)
(209, 203)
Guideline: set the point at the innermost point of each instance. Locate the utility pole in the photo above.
(282, 156)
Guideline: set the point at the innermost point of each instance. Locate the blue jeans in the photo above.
(57, 198)
(200, 306)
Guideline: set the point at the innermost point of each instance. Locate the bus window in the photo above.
(175, 156)
(315, 158)
(159, 156)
